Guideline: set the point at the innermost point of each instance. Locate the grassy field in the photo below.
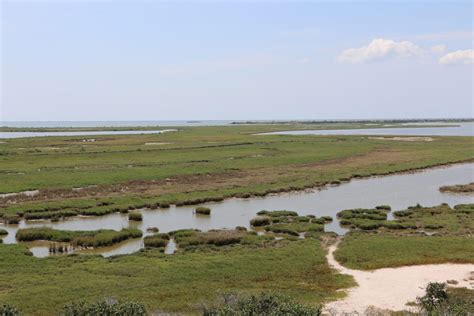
(173, 283)
(365, 251)
(449, 238)
(197, 164)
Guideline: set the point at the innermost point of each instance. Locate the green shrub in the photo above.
(262, 304)
(402, 213)
(105, 308)
(260, 221)
(327, 219)
(135, 216)
(203, 210)
(383, 207)
(153, 229)
(435, 297)
(156, 241)
(3, 232)
(11, 219)
(8, 310)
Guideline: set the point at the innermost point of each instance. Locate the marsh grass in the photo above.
(98, 238)
(135, 216)
(203, 210)
(156, 241)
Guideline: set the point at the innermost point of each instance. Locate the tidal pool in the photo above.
(398, 191)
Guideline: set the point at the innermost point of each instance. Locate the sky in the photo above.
(235, 60)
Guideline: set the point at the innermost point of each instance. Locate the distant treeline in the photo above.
(379, 121)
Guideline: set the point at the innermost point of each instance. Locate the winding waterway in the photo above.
(399, 191)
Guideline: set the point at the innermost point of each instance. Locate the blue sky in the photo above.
(150, 60)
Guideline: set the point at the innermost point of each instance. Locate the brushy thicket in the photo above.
(8, 310)
(105, 308)
(438, 301)
(267, 304)
(203, 210)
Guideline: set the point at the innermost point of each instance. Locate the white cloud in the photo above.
(379, 49)
(438, 49)
(458, 57)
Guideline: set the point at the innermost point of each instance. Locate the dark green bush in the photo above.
(402, 213)
(435, 297)
(263, 304)
(383, 207)
(203, 210)
(260, 221)
(11, 219)
(105, 308)
(3, 232)
(8, 310)
(156, 241)
(135, 216)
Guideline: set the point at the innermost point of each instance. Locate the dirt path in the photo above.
(392, 288)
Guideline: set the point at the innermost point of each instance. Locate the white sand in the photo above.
(392, 288)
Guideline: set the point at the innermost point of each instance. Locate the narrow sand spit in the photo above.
(405, 139)
(392, 288)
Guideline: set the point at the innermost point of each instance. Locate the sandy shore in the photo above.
(392, 288)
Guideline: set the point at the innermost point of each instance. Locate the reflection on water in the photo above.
(463, 129)
(399, 191)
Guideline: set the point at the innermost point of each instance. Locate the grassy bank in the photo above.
(96, 238)
(172, 283)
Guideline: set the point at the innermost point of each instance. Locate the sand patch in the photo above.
(405, 139)
(392, 288)
(156, 144)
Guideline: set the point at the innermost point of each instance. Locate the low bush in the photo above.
(153, 229)
(383, 207)
(260, 221)
(11, 219)
(262, 304)
(135, 216)
(8, 310)
(105, 308)
(203, 210)
(3, 232)
(402, 213)
(156, 241)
